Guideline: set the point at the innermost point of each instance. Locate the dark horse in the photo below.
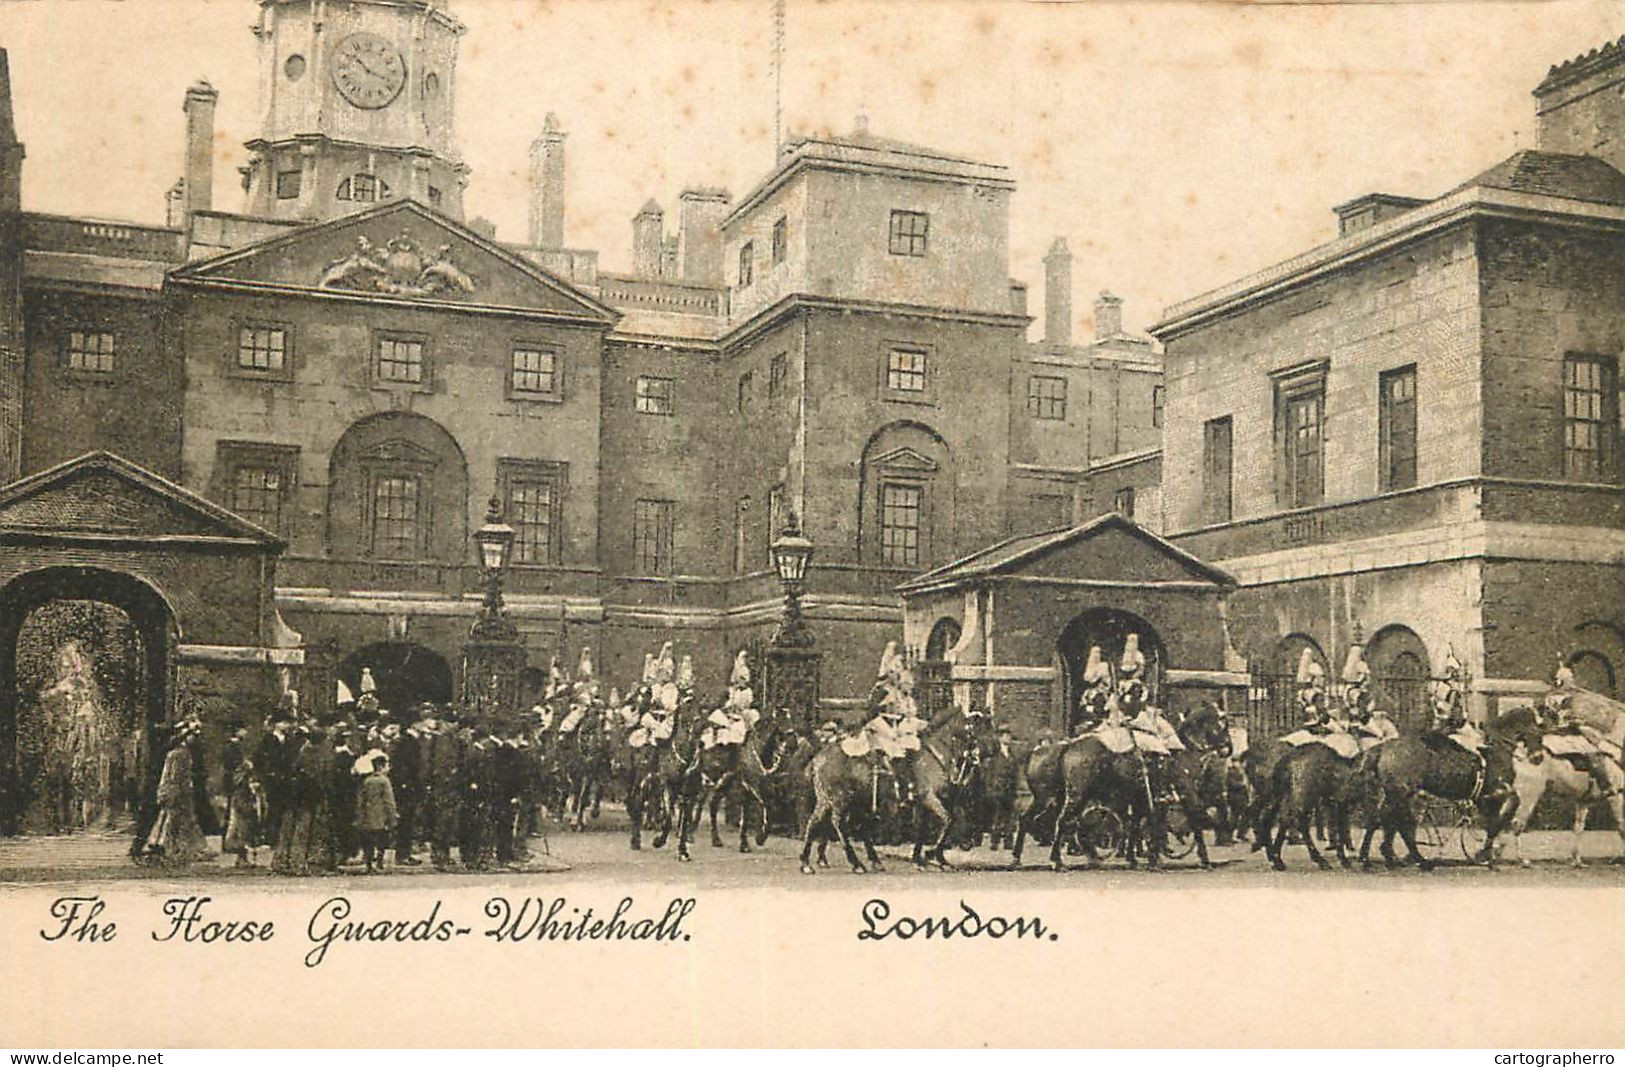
(845, 789)
(1064, 779)
(583, 757)
(655, 772)
(1214, 766)
(1304, 780)
(1395, 772)
(742, 769)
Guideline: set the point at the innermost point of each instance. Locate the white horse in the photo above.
(1533, 777)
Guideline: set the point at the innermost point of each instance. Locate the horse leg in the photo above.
(819, 812)
(1407, 831)
(940, 810)
(1278, 839)
(713, 800)
(634, 814)
(846, 844)
(1582, 812)
(1062, 810)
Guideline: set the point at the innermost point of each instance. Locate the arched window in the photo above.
(1593, 671)
(906, 498)
(397, 491)
(944, 636)
(364, 189)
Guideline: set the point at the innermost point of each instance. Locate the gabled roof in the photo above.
(1553, 174)
(355, 256)
(104, 495)
(1014, 554)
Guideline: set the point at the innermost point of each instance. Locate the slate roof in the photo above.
(1553, 174)
(1004, 556)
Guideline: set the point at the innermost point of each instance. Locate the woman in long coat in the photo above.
(175, 839)
(245, 801)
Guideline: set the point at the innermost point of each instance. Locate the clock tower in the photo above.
(358, 108)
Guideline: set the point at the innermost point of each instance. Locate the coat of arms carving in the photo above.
(399, 269)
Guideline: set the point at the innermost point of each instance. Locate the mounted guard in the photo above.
(731, 723)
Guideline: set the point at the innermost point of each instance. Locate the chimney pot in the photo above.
(1058, 294)
(1108, 315)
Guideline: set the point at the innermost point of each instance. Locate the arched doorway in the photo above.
(1109, 629)
(1593, 671)
(85, 679)
(1400, 669)
(935, 674)
(407, 674)
(944, 636)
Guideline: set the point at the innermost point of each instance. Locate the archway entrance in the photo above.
(85, 678)
(407, 674)
(1400, 669)
(1109, 629)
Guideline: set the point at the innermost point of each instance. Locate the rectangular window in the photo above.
(530, 510)
(908, 232)
(781, 240)
(654, 395)
(900, 524)
(905, 371)
(777, 371)
(741, 541)
(745, 386)
(1046, 397)
(1300, 417)
(90, 351)
(747, 264)
(651, 535)
(776, 518)
(1590, 418)
(395, 517)
(400, 360)
(1159, 397)
(1217, 470)
(262, 348)
(288, 183)
(256, 495)
(1051, 511)
(1123, 501)
(535, 371)
(1397, 429)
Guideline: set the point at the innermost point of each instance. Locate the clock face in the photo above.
(368, 71)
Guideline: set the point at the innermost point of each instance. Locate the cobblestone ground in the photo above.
(601, 854)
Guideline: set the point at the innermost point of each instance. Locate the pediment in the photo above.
(399, 251)
(905, 459)
(102, 495)
(398, 450)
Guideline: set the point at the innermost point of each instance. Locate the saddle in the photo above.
(1343, 744)
(1569, 745)
(1114, 738)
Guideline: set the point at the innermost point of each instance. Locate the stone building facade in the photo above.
(351, 366)
(1408, 437)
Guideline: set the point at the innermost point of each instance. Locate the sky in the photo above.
(1176, 146)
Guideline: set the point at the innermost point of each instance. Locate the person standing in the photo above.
(406, 762)
(443, 777)
(245, 801)
(175, 839)
(376, 815)
(478, 787)
(341, 798)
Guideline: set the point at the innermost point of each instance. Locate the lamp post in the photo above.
(493, 656)
(791, 553)
(792, 661)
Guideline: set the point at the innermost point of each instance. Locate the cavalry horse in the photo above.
(1206, 733)
(655, 771)
(584, 763)
(845, 789)
(1304, 780)
(1395, 772)
(1067, 778)
(1538, 772)
(742, 769)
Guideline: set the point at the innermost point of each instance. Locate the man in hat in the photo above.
(376, 814)
(476, 814)
(405, 750)
(443, 768)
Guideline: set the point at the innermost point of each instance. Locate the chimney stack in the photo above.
(648, 241)
(1108, 315)
(699, 234)
(199, 108)
(11, 150)
(547, 186)
(1058, 295)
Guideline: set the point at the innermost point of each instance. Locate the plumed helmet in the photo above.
(648, 668)
(685, 673)
(1564, 678)
(1452, 665)
(888, 661)
(1096, 671)
(1355, 669)
(1133, 659)
(740, 675)
(584, 665)
(1310, 672)
(666, 665)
